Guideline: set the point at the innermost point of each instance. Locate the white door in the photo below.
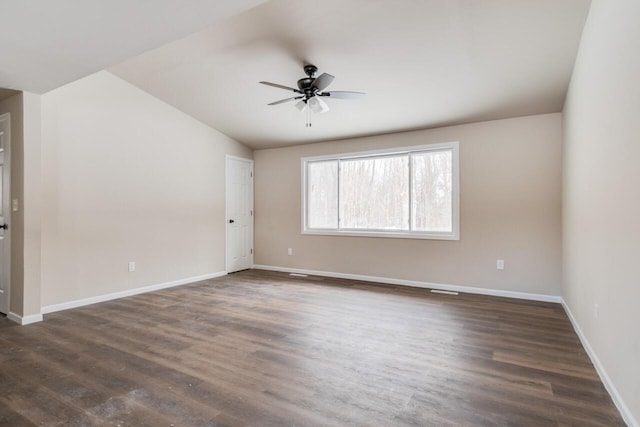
(239, 203)
(5, 248)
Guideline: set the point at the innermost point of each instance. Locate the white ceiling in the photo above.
(45, 44)
(422, 64)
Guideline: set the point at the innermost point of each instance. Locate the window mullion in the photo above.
(339, 207)
(410, 155)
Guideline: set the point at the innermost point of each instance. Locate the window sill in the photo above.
(384, 234)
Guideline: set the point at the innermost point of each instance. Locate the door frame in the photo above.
(229, 157)
(6, 193)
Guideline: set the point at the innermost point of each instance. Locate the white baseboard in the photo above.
(127, 293)
(416, 284)
(25, 320)
(604, 377)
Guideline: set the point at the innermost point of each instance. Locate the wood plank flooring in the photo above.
(260, 348)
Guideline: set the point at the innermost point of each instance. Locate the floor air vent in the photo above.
(438, 291)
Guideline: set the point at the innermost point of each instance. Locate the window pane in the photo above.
(432, 191)
(374, 193)
(322, 194)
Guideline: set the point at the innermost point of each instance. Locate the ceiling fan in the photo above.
(311, 89)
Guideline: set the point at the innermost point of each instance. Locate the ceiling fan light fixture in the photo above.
(301, 105)
(317, 105)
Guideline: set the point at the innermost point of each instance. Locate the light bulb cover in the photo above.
(317, 105)
(301, 105)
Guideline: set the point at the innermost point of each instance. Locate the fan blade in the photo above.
(340, 94)
(322, 82)
(284, 100)
(280, 86)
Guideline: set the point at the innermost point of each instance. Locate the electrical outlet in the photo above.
(290, 251)
(132, 266)
(500, 264)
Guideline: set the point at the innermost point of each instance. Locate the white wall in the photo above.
(601, 194)
(510, 208)
(126, 177)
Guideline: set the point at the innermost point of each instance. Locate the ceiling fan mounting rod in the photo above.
(310, 70)
(305, 84)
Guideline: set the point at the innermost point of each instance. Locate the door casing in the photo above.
(5, 241)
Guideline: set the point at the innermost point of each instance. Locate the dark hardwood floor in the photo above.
(265, 349)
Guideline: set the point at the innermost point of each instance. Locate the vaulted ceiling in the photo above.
(422, 63)
(45, 44)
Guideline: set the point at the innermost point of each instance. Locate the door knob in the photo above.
(231, 221)
(5, 226)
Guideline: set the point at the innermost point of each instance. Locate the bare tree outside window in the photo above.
(432, 191)
(374, 193)
(322, 194)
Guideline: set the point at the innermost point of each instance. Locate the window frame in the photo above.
(454, 234)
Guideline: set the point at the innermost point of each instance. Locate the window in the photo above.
(410, 192)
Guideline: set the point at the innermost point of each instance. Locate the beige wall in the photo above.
(126, 178)
(510, 175)
(601, 200)
(31, 199)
